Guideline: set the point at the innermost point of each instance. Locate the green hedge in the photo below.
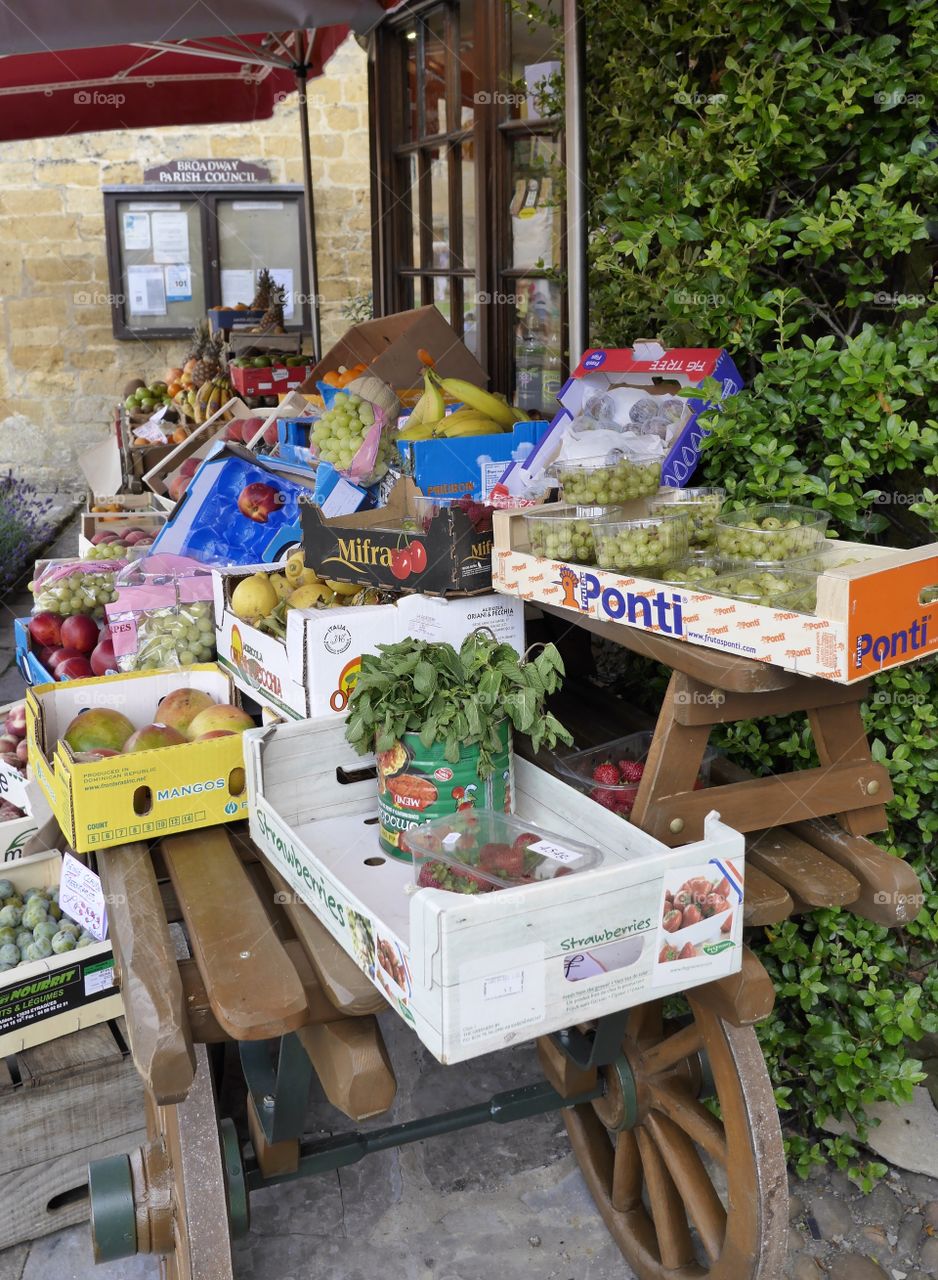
(759, 179)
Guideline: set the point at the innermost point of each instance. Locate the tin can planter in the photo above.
(417, 783)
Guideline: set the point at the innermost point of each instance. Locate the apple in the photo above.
(216, 733)
(220, 716)
(74, 669)
(257, 500)
(106, 535)
(62, 655)
(153, 736)
(7, 743)
(88, 757)
(98, 728)
(12, 759)
(133, 536)
(189, 467)
(80, 632)
(43, 654)
(46, 629)
(177, 487)
(21, 751)
(15, 723)
(179, 708)
(103, 661)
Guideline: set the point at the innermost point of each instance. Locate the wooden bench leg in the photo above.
(674, 759)
(351, 1060)
(839, 736)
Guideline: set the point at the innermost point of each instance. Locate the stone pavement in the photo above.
(506, 1200)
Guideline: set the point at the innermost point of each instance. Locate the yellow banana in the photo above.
(483, 401)
(418, 431)
(472, 427)
(430, 406)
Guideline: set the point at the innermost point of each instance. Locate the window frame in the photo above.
(210, 266)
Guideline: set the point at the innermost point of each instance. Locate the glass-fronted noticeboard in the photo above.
(173, 254)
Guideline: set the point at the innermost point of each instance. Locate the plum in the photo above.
(32, 893)
(9, 955)
(63, 941)
(45, 929)
(69, 926)
(23, 939)
(34, 912)
(10, 917)
(40, 950)
(7, 889)
(8, 934)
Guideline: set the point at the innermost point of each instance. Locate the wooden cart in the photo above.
(687, 1189)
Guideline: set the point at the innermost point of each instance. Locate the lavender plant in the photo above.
(26, 524)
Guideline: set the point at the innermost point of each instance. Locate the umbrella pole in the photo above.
(302, 77)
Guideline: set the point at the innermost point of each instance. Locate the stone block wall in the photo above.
(61, 369)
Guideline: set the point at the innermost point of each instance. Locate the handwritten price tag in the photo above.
(13, 786)
(557, 852)
(82, 898)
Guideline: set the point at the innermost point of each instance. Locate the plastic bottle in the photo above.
(529, 363)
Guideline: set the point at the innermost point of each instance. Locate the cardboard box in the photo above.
(207, 524)
(249, 427)
(366, 547)
(231, 318)
(469, 464)
(91, 524)
(44, 999)
(22, 837)
(656, 374)
(128, 504)
(31, 669)
(868, 617)
(243, 343)
(313, 671)
(389, 346)
(476, 974)
(144, 794)
(269, 380)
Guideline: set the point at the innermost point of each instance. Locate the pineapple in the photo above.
(272, 319)
(265, 285)
(206, 356)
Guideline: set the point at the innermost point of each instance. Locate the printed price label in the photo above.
(13, 786)
(280, 375)
(82, 898)
(503, 984)
(558, 852)
(99, 979)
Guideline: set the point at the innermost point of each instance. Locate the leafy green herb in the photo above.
(455, 698)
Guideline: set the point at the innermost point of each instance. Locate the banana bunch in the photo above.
(483, 414)
(209, 398)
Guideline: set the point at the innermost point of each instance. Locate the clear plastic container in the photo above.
(565, 532)
(481, 850)
(426, 509)
(604, 482)
(775, 588)
(702, 507)
(699, 572)
(770, 532)
(648, 543)
(579, 767)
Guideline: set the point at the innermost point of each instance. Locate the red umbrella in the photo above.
(168, 62)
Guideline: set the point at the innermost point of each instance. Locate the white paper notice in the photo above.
(170, 237)
(82, 898)
(13, 786)
(237, 286)
(136, 231)
(99, 979)
(179, 282)
(556, 852)
(284, 276)
(146, 291)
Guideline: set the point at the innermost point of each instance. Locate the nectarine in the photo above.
(221, 716)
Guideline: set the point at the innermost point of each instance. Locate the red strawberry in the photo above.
(467, 882)
(606, 774)
(502, 859)
(608, 799)
(429, 876)
(631, 770)
(526, 838)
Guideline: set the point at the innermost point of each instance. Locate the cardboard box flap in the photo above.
(389, 346)
(101, 467)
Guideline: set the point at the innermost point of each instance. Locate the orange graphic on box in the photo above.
(237, 649)
(889, 623)
(348, 678)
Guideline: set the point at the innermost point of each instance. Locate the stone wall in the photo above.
(61, 370)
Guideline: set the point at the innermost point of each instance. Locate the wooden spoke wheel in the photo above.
(687, 1196)
(188, 1133)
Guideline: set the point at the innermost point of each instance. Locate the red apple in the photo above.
(7, 743)
(62, 655)
(179, 708)
(221, 716)
(234, 431)
(177, 487)
(106, 535)
(21, 750)
(74, 669)
(189, 467)
(133, 536)
(42, 654)
(46, 629)
(103, 661)
(12, 759)
(15, 723)
(80, 632)
(257, 500)
(153, 736)
(96, 728)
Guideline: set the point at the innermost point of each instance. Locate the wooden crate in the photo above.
(63, 1104)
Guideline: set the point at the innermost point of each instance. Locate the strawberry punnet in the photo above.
(631, 770)
(606, 774)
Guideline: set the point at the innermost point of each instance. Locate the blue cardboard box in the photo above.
(468, 464)
(31, 669)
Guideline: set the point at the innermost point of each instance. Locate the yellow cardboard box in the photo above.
(145, 794)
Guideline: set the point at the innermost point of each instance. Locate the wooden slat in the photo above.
(252, 987)
(704, 704)
(801, 869)
(740, 998)
(890, 890)
(68, 1055)
(839, 736)
(340, 977)
(157, 1030)
(674, 758)
(768, 802)
(717, 670)
(766, 901)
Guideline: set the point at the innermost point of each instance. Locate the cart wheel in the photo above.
(189, 1134)
(683, 1193)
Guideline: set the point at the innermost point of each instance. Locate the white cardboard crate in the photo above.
(480, 973)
